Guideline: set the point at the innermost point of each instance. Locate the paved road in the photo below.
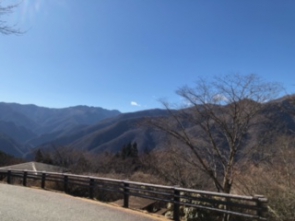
(26, 204)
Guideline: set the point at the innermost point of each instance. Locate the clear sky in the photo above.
(128, 54)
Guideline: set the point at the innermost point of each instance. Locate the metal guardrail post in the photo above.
(43, 180)
(126, 194)
(66, 179)
(261, 203)
(25, 178)
(176, 200)
(91, 188)
(9, 177)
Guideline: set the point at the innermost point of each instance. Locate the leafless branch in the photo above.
(5, 28)
(220, 113)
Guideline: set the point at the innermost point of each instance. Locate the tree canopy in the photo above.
(222, 111)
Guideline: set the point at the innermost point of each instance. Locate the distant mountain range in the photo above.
(24, 128)
(21, 126)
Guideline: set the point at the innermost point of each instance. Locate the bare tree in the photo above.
(4, 27)
(215, 125)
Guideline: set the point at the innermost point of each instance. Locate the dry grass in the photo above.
(274, 178)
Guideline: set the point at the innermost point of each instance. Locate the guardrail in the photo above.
(216, 204)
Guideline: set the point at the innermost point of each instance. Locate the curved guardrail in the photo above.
(249, 207)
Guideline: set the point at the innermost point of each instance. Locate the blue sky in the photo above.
(128, 54)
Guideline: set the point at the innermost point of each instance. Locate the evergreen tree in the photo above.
(39, 156)
(134, 150)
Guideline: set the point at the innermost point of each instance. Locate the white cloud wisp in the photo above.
(134, 103)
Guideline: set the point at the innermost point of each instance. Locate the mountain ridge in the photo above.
(25, 123)
(88, 129)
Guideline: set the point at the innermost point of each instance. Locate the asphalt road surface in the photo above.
(19, 203)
